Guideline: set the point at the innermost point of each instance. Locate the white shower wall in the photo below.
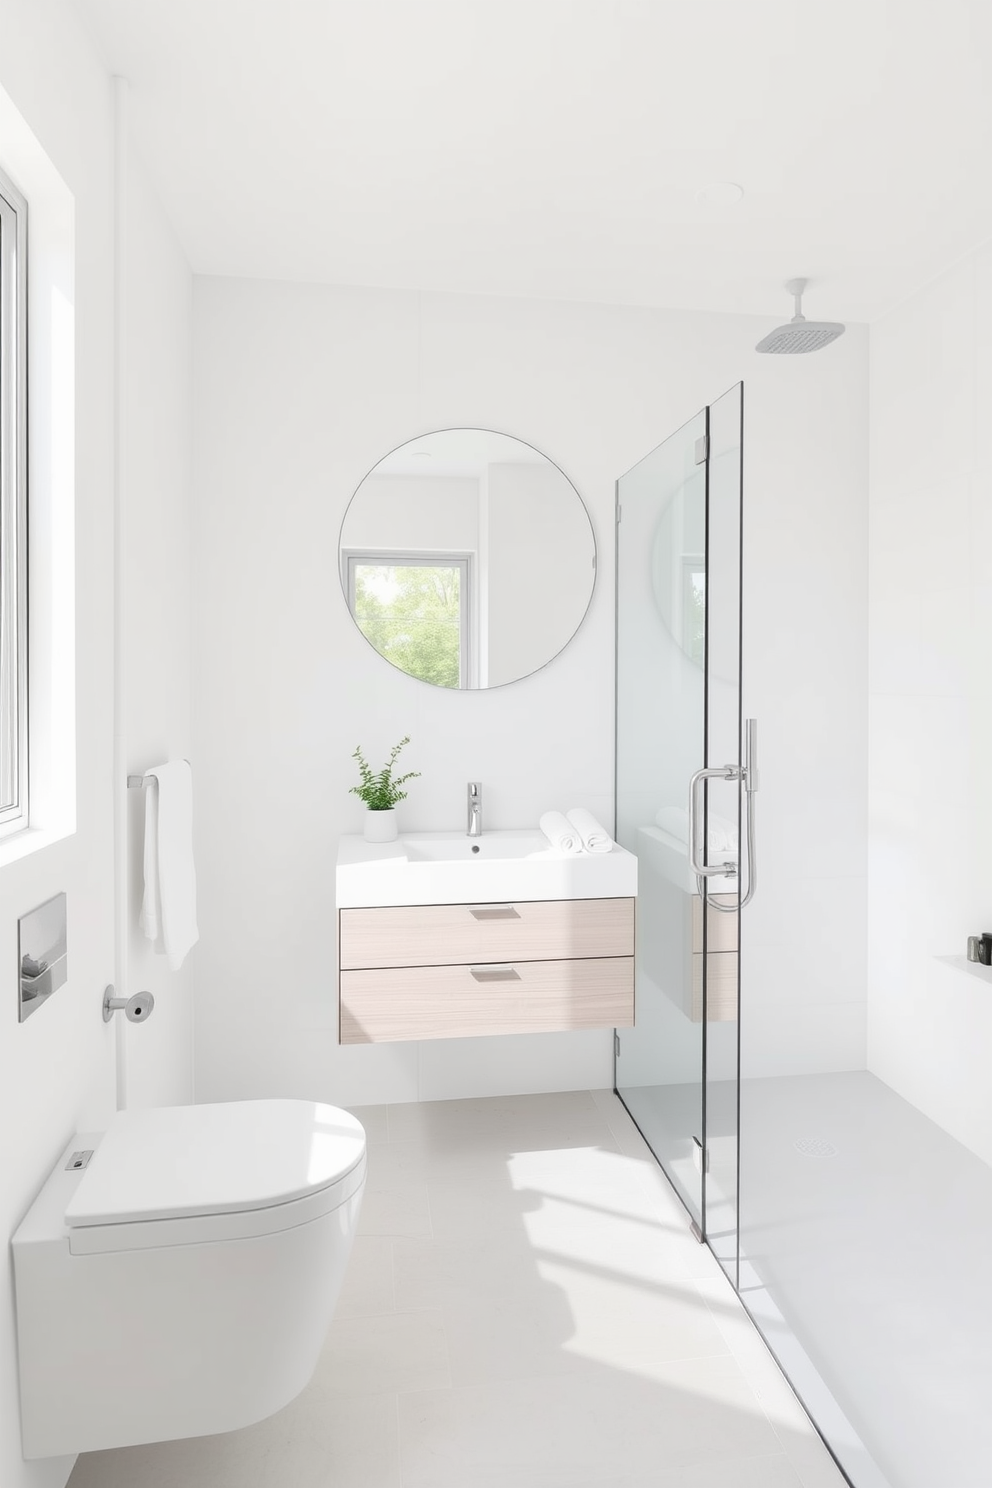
(930, 1021)
(299, 390)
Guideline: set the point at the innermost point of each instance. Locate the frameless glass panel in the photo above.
(661, 563)
(678, 713)
(723, 824)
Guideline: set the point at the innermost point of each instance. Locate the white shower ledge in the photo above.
(973, 968)
(451, 868)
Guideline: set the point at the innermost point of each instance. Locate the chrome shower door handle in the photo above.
(700, 869)
(748, 777)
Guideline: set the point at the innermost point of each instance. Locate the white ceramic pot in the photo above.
(380, 826)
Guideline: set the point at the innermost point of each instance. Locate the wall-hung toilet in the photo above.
(183, 1280)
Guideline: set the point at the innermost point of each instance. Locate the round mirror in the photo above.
(467, 558)
(678, 566)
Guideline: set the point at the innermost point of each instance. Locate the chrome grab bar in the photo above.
(748, 775)
(700, 869)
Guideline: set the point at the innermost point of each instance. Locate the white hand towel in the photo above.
(560, 833)
(722, 831)
(595, 838)
(168, 909)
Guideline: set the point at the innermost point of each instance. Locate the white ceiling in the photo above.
(553, 148)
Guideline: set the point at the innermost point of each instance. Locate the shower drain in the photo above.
(815, 1147)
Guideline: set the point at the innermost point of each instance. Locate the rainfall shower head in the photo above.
(800, 334)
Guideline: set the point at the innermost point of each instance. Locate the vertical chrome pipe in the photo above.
(121, 918)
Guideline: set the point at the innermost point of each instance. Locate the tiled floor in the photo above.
(525, 1308)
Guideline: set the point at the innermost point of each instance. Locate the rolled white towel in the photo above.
(560, 832)
(594, 837)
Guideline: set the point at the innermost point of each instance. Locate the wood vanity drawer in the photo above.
(449, 934)
(721, 987)
(721, 926)
(432, 1002)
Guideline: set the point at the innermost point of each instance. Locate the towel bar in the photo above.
(135, 782)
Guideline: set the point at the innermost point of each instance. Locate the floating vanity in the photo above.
(443, 936)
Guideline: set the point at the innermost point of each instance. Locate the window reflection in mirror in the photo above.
(415, 612)
(467, 558)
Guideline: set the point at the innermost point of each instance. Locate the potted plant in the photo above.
(380, 792)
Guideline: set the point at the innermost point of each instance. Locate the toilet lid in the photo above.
(175, 1161)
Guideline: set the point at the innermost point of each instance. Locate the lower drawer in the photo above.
(721, 987)
(432, 1002)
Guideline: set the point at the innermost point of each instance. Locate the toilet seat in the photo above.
(182, 1175)
(182, 1283)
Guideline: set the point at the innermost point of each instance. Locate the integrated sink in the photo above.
(451, 868)
(451, 847)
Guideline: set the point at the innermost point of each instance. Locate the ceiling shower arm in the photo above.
(797, 288)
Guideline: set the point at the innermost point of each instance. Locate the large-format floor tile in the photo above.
(395, 1200)
(525, 1307)
(368, 1282)
(383, 1355)
(500, 1124)
(320, 1440)
(375, 1120)
(745, 1472)
(507, 1340)
(628, 1323)
(450, 1274)
(527, 1113)
(557, 1432)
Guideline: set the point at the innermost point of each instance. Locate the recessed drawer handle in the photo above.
(493, 912)
(495, 973)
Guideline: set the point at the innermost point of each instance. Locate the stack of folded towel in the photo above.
(722, 832)
(575, 831)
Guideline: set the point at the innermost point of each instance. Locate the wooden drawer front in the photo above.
(452, 934)
(721, 987)
(431, 1002)
(721, 928)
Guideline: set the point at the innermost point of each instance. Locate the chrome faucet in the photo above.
(474, 828)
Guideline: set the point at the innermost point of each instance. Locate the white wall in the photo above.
(157, 604)
(439, 513)
(299, 391)
(930, 1026)
(57, 1070)
(804, 937)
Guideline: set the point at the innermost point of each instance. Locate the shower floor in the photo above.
(866, 1240)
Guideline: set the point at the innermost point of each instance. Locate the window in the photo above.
(13, 510)
(414, 608)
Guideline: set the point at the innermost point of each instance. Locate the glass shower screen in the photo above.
(678, 713)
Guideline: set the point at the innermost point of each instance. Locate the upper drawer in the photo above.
(451, 934)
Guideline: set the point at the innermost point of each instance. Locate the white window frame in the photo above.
(13, 509)
(353, 558)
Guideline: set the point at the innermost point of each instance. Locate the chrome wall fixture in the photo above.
(748, 776)
(42, 960)
(137, 1009)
